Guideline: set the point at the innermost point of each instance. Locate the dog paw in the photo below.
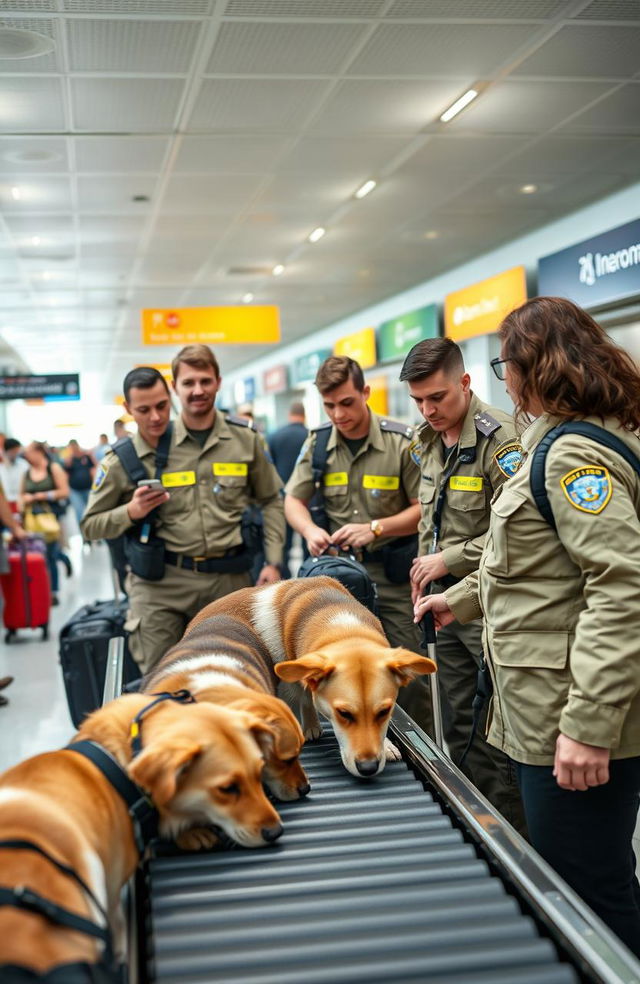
(197, 839)
(391, 753)
(313, 732)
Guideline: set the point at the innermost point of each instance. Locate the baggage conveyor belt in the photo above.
(410, 876)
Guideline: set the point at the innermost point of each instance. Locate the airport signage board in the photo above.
(379, 397)
(596, 271)
(276, 380)
(52, 387)
(398, 336)
(479, 309)
(242, 325)
(306, 366)
(361, 346)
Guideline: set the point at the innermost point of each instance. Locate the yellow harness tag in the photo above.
(336, 478)
(466, 483)
(172, 480)
(230, 469)
(388, 482)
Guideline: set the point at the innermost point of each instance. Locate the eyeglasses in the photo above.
(498, 367)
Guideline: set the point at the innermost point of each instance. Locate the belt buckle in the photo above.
(196, 562)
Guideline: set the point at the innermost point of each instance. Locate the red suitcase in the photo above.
(26, 590)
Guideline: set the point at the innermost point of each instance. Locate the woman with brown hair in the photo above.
(560, 598)
(43, 484)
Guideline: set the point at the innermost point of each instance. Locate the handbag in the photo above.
(43, 522)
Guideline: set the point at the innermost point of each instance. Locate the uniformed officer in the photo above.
(216, 465)
(559, 594)
(465, 450)
(370, 491)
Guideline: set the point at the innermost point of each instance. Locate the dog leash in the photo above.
(181, 696)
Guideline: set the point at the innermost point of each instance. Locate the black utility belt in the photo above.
(447, 581)
(235, 560)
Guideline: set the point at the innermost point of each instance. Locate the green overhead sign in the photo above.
(306, 367)
(396, 337)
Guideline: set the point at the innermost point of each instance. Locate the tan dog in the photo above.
(200, 764)
(222, 660)
(320, 636)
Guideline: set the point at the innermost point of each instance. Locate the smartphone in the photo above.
(150, 483)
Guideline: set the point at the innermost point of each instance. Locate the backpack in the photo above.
(594, 433)
(349, 572)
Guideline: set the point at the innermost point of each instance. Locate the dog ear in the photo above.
(159, 766)
(406, 666)
(263, 735)
(309, 670)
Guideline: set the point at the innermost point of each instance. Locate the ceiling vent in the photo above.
(16, 43)
(249, 271)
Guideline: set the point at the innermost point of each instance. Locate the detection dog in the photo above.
(319, 636)
(199, 764)
(222, 659)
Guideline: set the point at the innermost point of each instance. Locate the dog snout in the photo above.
(367, 767)
(304, 789)
(271, 834)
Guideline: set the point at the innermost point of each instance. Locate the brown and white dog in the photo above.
(200, 764)
(318, 635)
(221, 659)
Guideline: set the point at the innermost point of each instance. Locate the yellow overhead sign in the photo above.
(379, 398)
(479, 309)
(361, 346)
(248, 324)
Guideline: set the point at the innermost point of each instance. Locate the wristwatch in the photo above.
(376, 527)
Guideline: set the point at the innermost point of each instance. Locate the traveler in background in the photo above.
(562, 621)
(245, 410)
(465, 451)
(119, 430)
(12, 468)
(101, 448)
(9, 521)
(370, 496)
(44, 483)
(216, 465)
(80, 466)
(285, 445)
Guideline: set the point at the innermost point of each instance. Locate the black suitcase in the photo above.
(84, 642)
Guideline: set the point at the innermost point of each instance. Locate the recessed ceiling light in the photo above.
(431, 234)
(528, 189)
(247, 298)
(365, 189)
(140, 198)
(277, 270)
(46, 275)
(16, 193)
(316, 234)
(31, 156)
(35, 240)
(16, 44)
(459, 105)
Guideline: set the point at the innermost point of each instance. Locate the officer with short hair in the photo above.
(370, 492)
(216, 465)
(466, 450)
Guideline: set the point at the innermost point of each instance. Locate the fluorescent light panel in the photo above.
(316, 234)
(277, 270)
(365, 189)
(459, 105)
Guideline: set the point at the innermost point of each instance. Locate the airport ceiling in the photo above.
(170, 153)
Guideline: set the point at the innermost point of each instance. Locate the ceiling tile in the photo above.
(237, 104)
(527, 107)
(618, 112)
(590, 52)
(152, 47)
(377, 107)
(230, 153)
(131, 154)
(473, 10)
(31, 105)
(33, 154)
(216, 194)
(118, 105)
(116, 195)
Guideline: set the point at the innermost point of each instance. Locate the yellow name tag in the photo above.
(172, 480)
(336, 478)
(381, 482)
(230, 468)
(466, 483)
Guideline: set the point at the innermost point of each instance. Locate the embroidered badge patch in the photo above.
(509, 458)
(414, 450)
(99, 477)
(587, 489)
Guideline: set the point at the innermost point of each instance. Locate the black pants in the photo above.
(587, 838)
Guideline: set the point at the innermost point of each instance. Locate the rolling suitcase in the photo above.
(84, 643)
(26, 590)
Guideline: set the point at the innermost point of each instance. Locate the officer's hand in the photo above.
(354, 535)
(144, 500)
(268, 575)
(427, 569)
(317, 540)
(442, 614)
(578, 766)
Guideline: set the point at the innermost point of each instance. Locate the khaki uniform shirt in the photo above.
(488, 455)
(562, 621)
(380, 480)
(209, 489)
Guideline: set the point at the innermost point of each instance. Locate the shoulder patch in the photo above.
(321, 427)
(485, 423)
(508, 458)
(588, 488)
(100, 475)
(414, 450)
(239, 421)
(395, 427)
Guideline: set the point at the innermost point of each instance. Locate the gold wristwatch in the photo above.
(376, 527)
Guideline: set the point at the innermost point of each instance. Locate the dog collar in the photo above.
(135, 732)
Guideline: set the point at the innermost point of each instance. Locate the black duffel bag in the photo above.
(348, 571)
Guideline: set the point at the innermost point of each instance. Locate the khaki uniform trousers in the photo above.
(396, 615)
(159, 611)
(459, 654)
